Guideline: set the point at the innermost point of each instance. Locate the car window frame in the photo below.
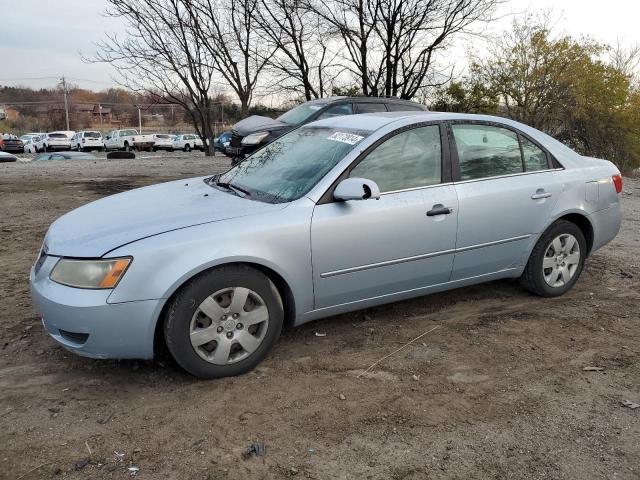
(552, 162)
(445, 160)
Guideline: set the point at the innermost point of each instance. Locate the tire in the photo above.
(187, 148)
(170, 150)
(184, 314)
(121, 155)
(556, 249)
(127, 148)
(80, 149)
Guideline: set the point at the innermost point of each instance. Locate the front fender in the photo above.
(162, 263)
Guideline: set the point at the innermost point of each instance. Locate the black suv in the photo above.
(254, 132)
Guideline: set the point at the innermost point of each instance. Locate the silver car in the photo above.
(338, 215)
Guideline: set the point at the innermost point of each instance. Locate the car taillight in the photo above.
(617, 182)
(82, 139)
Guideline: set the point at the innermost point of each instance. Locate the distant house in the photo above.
(8, 113)
(94, 110)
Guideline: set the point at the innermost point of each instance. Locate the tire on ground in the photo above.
(532, 278)
(121, 155)
(183, 305)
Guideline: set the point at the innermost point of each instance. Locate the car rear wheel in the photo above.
(223, 322)
(556, 261)
(187, 148)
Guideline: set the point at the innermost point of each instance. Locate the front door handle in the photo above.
(540, 193)
(439, 209)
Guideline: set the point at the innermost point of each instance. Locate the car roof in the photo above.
(374, 121)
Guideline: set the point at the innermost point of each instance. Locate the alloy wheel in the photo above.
(229, 325)
(561, 260)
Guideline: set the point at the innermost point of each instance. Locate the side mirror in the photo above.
(356, 189)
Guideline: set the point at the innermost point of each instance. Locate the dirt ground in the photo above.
(497, 390)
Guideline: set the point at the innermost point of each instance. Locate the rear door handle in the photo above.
(439, 209)
(540, 193)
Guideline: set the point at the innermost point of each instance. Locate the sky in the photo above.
(42, 40)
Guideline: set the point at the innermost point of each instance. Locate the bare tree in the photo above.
(229, 34)
(626, 59)
(161, 55)
(391, 45)
(301, 63)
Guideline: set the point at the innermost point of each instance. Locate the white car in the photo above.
(187, 142)
(163, 142)
(87, 140)
(128, 139)
(30, 141)
(60, 140)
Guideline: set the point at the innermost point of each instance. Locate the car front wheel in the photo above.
(556, 261)
(223, 322)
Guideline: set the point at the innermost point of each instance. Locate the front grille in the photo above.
(75, 337)
(236, 140)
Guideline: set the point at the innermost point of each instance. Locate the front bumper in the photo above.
(85, 323)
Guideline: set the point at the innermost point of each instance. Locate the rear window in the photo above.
(162, 136)
(57, 135)
(92, 134)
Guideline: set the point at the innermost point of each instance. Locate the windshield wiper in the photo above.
(241, 192)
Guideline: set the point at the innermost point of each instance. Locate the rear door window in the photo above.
(336, 111)
(486, 151)
(534, 157)
(370, 107)
(401, 107)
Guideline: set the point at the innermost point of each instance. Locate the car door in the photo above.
(506, 187)
(402, 241)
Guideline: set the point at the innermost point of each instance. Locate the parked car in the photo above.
(187, 142)
(29, 136)
(30, 143)
(7, 157)
(11, 143)
(254, 132)
(87, 140)
(221, 142)
(65, 156)
(60, 140)
(128, 140)
(162, 141)
(338, 215)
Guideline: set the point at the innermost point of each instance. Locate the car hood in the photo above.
(96, 228)
(256, 123)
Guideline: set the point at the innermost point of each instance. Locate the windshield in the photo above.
(289, 167)
(300, 114)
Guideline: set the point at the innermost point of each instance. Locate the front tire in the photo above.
(187, 148)
(556, 261)
(223, 322)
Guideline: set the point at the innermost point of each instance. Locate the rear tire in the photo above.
(187, 148)
(557, 260)
(224, 354)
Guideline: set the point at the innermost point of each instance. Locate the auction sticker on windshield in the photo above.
(344, 137)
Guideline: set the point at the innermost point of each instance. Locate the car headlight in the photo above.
(96, 274)
(254, 138)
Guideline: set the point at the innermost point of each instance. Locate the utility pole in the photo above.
(139, 121)
(66, 104)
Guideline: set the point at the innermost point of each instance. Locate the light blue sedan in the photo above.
(338, 215)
